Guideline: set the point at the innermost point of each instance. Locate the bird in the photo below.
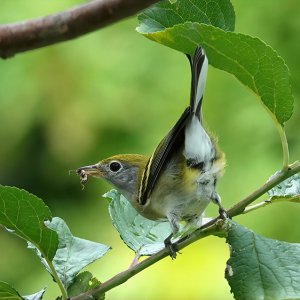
(178, 181)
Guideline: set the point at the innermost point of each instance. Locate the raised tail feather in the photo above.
(198, 148)
(199, 66)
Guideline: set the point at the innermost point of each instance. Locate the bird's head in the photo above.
(123, 171)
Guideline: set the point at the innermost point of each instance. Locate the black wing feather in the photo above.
(171, 142)
(196, 65)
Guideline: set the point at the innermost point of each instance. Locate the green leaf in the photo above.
(164, 14)
(73, 254)
(143, 236)
(289, 188)
(9, 293)
(250, 60)
(36, 296)
(82, 283)
(262, 268)
(24, 214)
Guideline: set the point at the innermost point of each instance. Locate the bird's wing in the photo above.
(162, 154)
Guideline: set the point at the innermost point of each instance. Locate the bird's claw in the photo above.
(223, 213)
(171, 249)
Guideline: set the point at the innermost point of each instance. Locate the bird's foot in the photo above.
(217, 200)
(223, 213)
(171, 247)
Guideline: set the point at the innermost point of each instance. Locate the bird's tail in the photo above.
(198, 149)
(199, 65)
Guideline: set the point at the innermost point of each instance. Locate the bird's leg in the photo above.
(170, 246)
(217, 200)
(173, 219)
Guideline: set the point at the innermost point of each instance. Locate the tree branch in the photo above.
(217, 229)
(66, 25)
(216, 226)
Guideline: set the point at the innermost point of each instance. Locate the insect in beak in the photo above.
(86, 171)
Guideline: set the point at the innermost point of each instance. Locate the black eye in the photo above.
(115, 166)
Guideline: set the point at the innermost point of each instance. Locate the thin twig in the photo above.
(213, 227)
(65, 25)
(238, 208)
(295, 199)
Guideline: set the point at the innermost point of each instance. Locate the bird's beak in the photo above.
(92, 170)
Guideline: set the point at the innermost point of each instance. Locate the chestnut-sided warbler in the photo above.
(178, 180)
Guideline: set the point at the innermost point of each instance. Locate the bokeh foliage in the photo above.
(115, 92)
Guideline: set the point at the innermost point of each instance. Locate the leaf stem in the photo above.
(57, 280)
(284, 144)
(135, 260)
(257, 206)
(295, 199)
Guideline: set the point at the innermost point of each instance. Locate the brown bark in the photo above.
(65, 25)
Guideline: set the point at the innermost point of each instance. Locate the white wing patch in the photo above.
(198, 145)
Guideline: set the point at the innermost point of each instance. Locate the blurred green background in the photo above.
(113, 91)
